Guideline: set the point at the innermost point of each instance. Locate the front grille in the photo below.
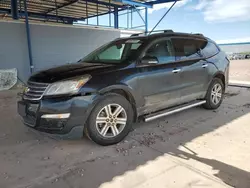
(35, 91)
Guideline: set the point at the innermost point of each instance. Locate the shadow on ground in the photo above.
(229, 174)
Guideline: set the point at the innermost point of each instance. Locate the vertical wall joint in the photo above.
(28, 36)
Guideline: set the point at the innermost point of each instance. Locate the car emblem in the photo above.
(26, 89)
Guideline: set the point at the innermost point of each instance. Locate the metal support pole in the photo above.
(146, 19)
(14, 9)
(163, 17)
(127, 18)
(109, 15)
(87, 15)
(116, 19)
(131, 21)
(28, 35)
(97, 17)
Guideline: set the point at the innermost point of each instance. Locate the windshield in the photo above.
(119, 51)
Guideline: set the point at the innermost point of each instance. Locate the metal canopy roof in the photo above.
(68, 11)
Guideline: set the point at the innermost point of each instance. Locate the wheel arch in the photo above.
(221, 76)
(126, 92)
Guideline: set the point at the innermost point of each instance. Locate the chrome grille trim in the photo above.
(36, 91)
(38, 87)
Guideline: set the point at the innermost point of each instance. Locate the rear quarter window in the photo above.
(210, 50)
(188, 48)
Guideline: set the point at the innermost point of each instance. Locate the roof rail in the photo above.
(199, 34)
(136, 34)
(153, 32)
(168, 31)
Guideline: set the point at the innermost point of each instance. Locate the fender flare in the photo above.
(215, 75)
(136, 97)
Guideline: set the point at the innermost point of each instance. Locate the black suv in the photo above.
(140, 77)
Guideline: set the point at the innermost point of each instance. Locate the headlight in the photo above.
(65, 87)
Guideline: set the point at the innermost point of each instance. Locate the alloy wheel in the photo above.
(111, 120)
(216, 94)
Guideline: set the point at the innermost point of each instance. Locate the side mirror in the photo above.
(149, 60)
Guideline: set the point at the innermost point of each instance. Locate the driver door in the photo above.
(160, 82)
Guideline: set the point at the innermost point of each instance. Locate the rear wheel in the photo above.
(214, 94)
(110, 121)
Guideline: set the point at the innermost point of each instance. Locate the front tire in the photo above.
(110, 121)
(215, 94)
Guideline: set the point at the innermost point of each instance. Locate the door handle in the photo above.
(176, 70)
(204, 65)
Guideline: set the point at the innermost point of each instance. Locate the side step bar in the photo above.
(167, 112)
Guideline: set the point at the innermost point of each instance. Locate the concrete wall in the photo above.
(51, 45)
(128, 33)
(235, 48)
(13, 48)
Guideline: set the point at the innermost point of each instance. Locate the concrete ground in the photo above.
(240, 70)
(194, 148)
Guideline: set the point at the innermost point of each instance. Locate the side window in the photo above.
(210, 50)
(162, 50)
(130, 50)
(135, 46)
(188, 48)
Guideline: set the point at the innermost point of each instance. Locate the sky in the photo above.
(221, 20)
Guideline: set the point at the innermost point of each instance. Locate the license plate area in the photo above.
(31, 109)
(29, 112)
(22, 107)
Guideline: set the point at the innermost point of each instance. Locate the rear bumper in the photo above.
(78, 109)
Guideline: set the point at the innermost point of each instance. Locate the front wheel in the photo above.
(214, 94)
(110, 121)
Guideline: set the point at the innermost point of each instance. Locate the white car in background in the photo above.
(230, 56)
(238, 56)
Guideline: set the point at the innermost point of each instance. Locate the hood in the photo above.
(73, 70)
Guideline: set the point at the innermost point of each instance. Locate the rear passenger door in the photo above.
(194, 75)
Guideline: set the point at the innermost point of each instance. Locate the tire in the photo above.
(210, 103)
(94, 130)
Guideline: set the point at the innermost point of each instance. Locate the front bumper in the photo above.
(79, 108)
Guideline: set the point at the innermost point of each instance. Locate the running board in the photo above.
(167, 112)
